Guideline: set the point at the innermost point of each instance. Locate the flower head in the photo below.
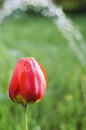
(28, 83)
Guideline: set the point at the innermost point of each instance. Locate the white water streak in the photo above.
(65, 25)
(69, 31)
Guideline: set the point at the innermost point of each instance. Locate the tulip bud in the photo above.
(28, 83)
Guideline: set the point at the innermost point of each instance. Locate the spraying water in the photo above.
(69, 31)
(47, 8)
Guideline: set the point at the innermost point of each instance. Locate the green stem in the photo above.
(25, 118)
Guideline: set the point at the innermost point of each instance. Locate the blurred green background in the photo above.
(72, 5)
(63, 107)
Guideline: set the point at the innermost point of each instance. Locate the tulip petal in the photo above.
(43, 70)
(14, 87)
(27, 81)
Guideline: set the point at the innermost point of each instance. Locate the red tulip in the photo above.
(28, 83)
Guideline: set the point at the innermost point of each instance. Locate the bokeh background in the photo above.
(25, 33)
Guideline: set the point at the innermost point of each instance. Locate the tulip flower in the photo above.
(28, 83)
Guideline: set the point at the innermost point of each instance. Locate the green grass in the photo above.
(62, 107)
